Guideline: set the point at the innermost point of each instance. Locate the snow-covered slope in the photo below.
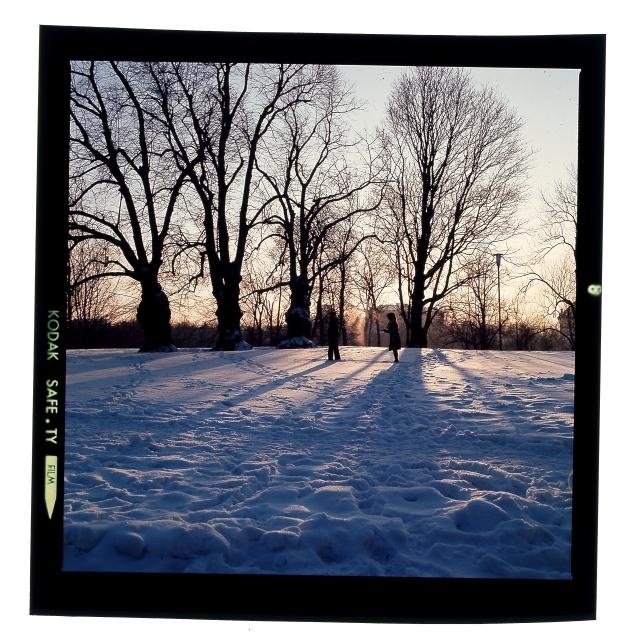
(450, 463)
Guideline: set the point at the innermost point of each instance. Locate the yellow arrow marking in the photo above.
(50, 493)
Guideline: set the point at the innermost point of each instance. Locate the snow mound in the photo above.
(129, 543)
(478, 515)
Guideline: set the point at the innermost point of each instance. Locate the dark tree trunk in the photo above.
(418, 338)
(154, 316)
(319, 314)
(318, 326)
(261, 335)
(225, 277)
(277, 330)
(229, 314)
(298, 316)
(417, 332)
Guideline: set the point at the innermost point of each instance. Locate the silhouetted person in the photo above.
(333, 336)
(394, 335)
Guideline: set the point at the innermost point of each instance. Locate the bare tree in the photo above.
(222, 112)
(124, 185)
(555, 255)
(373, 274)
(320, 180)
(90, 298)
(473, 309)
(524, 328)
(261, 304)
(457, 162)
(346, 239)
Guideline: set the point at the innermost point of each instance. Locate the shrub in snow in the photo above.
(299, 342)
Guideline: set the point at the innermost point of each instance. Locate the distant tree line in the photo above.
(246, 186)
(526, 335)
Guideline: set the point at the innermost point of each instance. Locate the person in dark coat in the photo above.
(333, 336)
(394, 335)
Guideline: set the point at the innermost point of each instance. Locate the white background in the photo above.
(18, 144)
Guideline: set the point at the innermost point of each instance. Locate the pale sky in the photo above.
(547, 101)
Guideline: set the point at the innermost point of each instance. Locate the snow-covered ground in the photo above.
(448, 464)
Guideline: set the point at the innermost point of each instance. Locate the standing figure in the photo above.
(333, 336)
(394, 335)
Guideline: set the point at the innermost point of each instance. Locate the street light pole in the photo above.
(498, 257)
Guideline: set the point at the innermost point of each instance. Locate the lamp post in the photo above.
(498, 257)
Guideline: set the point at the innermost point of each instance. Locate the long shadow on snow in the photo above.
(356, 422)
(134, 362)
(381, 460)
(273, 384)
(279, 382)
(397, 413)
